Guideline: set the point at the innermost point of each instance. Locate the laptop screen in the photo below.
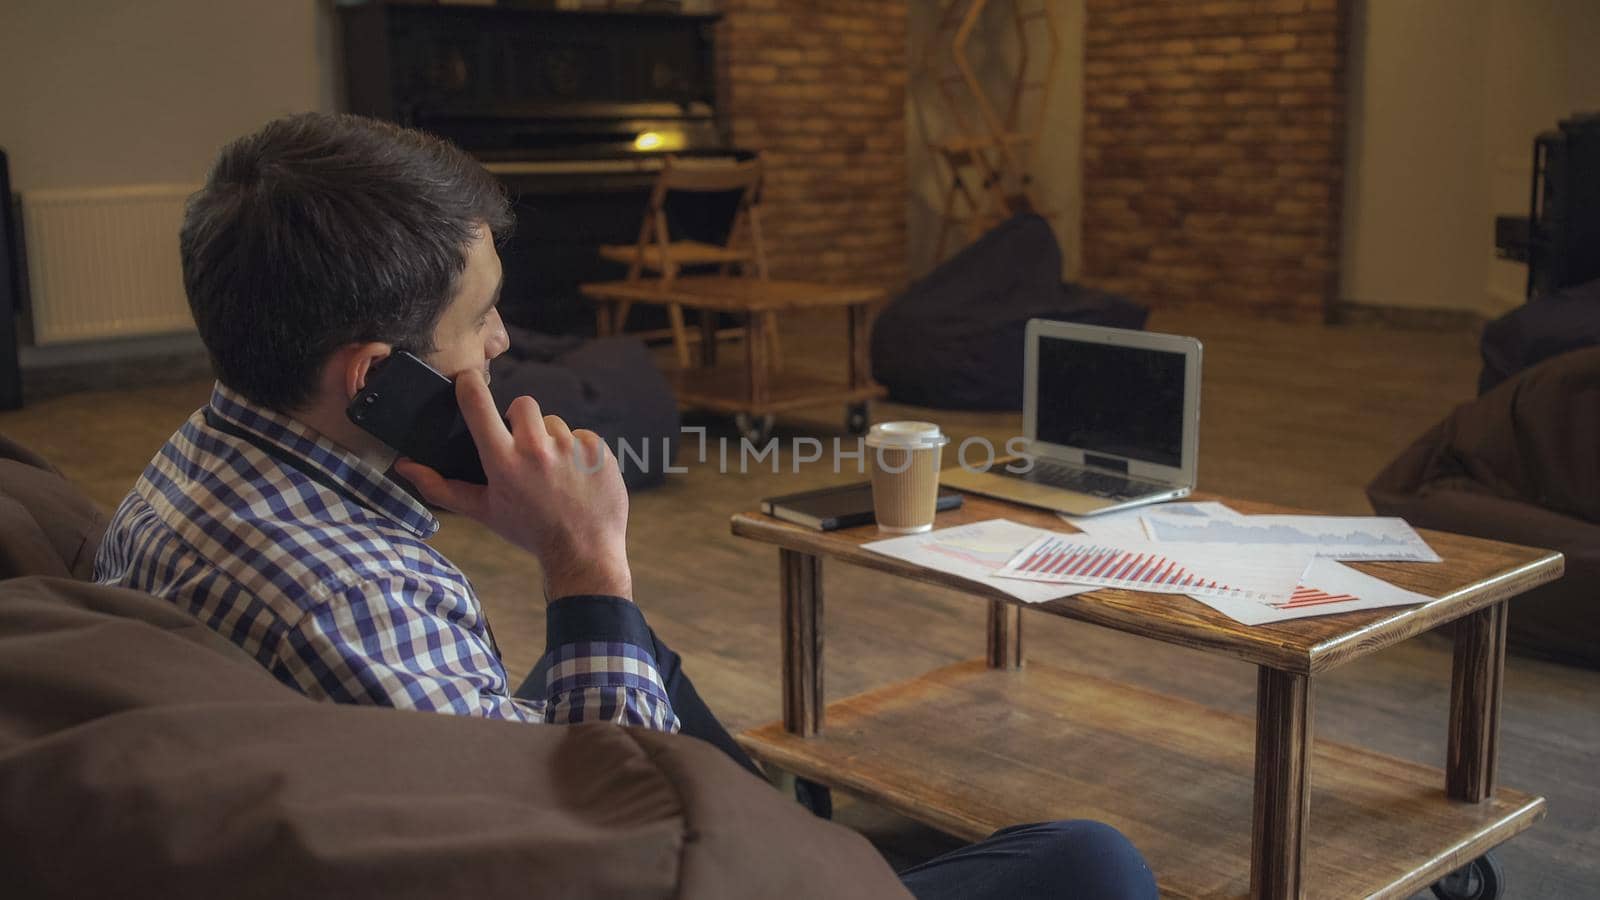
(1121, 401)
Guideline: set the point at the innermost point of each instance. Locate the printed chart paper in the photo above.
(1351, 538)
(1251, 584)
(1329, 587)
(974, 552)
(1234, 572)
(1128, 524)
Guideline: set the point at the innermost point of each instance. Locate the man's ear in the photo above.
(358, 362)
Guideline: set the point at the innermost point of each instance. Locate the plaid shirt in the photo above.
(316, 564)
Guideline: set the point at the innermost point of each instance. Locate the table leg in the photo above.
(1477, 672)
(1283, 779)
(708, 338)
(1005, 635)
(801, 577)
(776, 350)
(680, 335)
(756, 349)
(860, 345)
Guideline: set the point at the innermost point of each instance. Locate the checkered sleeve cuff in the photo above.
(606, 666)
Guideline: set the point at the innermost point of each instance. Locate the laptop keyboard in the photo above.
(1084, 481)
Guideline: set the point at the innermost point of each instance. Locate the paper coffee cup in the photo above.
(905, 474)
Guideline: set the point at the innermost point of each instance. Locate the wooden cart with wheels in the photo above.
(1480, 879)
(754, 389)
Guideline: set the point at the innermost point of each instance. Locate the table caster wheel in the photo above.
(1480, 879)
(755, 429)
(814, 797)
(856, 420)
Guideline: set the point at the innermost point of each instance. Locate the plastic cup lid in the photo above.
(911, 435)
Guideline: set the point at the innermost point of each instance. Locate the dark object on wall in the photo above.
(10, 291)
(572, 110)
(1519, 464)
(610, 386)
(109, 698)
(954, 339)
(1547, 325)
(1559, 239)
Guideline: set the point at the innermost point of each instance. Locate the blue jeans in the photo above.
(1068, 860)
(1073, 859)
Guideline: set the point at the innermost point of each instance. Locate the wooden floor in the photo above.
(1294, 414)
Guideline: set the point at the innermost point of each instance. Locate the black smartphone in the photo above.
(412, 407)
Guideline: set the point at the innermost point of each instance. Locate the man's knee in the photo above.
(1087, 859)
(1088, 837)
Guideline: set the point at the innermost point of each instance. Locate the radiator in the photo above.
(103, 262)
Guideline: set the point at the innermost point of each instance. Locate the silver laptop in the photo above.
(1111, 418)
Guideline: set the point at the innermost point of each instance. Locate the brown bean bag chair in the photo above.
(46, 526)
(1545, 327)
(142, 755)
(1520, 464)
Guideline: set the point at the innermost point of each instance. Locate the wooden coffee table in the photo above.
(752, 388)
(980, 745)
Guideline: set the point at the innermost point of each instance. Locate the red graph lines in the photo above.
(1092, 562)
(1306, 596)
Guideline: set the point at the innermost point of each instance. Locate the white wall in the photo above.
(1544, 65)
(1446, 98)
(112, 92)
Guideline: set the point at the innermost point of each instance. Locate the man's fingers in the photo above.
(456, 496)
(558, 430)
(483, 418)
(590, 450)
(527, 422)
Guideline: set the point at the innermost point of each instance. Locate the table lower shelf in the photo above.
(968, 749)
(726, 389)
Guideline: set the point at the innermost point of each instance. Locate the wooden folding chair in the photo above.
(656, 256)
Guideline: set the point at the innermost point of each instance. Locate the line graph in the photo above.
(1334, 537)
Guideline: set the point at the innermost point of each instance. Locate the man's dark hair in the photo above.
(322, 230)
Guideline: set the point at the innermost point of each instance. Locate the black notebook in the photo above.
(832, 508)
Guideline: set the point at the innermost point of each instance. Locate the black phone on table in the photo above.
(412, 407)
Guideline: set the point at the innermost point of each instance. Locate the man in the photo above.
(318, 246)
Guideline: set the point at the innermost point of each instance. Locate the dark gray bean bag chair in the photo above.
(610, 386)
(954, 339)
(1546, 326)
(1520, 464)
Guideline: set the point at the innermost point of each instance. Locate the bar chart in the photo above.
(1237, 572)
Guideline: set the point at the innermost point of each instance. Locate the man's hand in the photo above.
(554, 492)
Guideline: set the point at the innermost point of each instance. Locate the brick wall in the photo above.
(819, 87)
(1213, 139)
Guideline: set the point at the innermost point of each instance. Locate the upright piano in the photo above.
(573, 110)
